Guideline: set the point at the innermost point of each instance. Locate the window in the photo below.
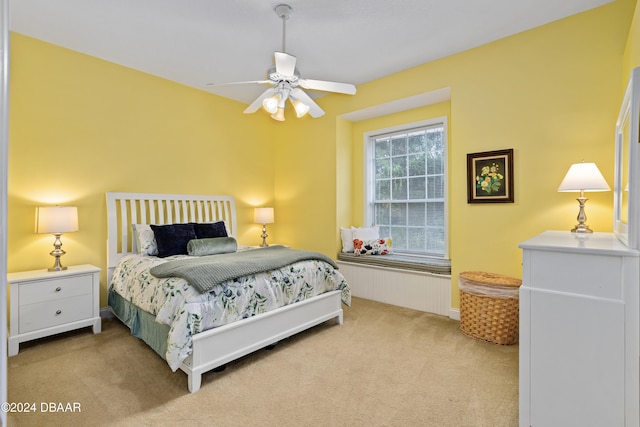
(406, 180)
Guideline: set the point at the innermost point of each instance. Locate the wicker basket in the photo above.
(489, 306)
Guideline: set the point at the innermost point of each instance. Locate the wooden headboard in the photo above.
(124, 209)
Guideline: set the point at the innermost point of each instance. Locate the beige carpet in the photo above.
(385, 366)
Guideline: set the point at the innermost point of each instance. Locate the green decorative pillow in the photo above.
(372, 247)
(212, 246)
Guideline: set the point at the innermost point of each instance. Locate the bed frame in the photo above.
(215, 347)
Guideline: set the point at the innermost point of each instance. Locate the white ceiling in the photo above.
(354, 41)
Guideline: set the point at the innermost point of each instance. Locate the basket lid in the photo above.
(490, 278)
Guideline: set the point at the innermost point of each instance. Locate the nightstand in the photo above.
(45, 303)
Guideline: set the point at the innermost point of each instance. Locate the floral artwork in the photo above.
(490, 177)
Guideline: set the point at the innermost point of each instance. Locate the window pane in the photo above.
(435, 240)
(398, 214)
(383, 190)
(383, 148)
(417, 214)
(436, 187)
(399, 237)
(417, 164)
(399, 146)
(417, 239)
(383, 214)
(417, 143)
(399, 166)
(417, 188)
(399, 189)
(383, 168)
(435, 214)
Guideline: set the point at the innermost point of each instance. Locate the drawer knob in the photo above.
(58, 289)
(58, 312)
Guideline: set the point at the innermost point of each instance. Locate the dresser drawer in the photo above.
(53, 289)
(53, 313)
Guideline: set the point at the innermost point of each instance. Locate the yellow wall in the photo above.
(632, 49)
(80, 127)
(551, 94)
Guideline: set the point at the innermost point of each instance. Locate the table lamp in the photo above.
(56, 220)
(583, 177)
(263, 216)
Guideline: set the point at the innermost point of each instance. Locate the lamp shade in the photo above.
(271, 104)
(263, 215)
(56, 219)
(584, 177)
(300, 107)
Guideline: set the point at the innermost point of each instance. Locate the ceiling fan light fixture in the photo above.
(300, 107)
(278, 115)
(286, 82)
(270, 104)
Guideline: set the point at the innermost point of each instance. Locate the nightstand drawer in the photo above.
(53, 289)
(53, 313)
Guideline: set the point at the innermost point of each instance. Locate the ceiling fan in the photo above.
(286, 83)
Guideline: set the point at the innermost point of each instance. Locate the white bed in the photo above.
(214, 347)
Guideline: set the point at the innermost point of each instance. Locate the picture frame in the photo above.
(490, 177)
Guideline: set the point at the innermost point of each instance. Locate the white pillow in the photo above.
(346, 234)
(366, 233)
(145, 240)
(360, 233)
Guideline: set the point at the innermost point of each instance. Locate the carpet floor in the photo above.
(385, 366)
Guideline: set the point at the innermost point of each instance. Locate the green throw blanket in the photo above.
(205, 272)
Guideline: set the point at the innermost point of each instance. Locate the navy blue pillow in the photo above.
(210, 230)
(172, 239)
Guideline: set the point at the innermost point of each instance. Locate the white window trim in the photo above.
(369, 177)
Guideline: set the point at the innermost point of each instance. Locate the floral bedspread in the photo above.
(187, 312)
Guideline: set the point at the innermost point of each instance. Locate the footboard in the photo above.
(218, 346)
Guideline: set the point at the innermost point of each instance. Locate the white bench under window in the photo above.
(419, 283)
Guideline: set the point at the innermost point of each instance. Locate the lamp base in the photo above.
(581, 227)
(57, 252)
(57, 266)
(264, 236)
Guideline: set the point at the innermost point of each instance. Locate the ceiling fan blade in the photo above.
(314, 109)
(255, 105)
(285, 63)
(345, 88)
(240, 83)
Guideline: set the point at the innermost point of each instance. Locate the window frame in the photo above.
(369, 175)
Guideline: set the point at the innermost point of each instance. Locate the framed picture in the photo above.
(490, 177)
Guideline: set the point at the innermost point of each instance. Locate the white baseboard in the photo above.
(454, 313)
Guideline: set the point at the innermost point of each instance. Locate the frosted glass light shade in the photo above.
(56, 219)
(270, 104)
(300, 107)
(583, 177)
(279, 115)
(263, 216)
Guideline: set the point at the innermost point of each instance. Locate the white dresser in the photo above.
(44, 303)
(579, 331)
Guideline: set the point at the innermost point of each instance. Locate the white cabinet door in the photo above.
(577, 360)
